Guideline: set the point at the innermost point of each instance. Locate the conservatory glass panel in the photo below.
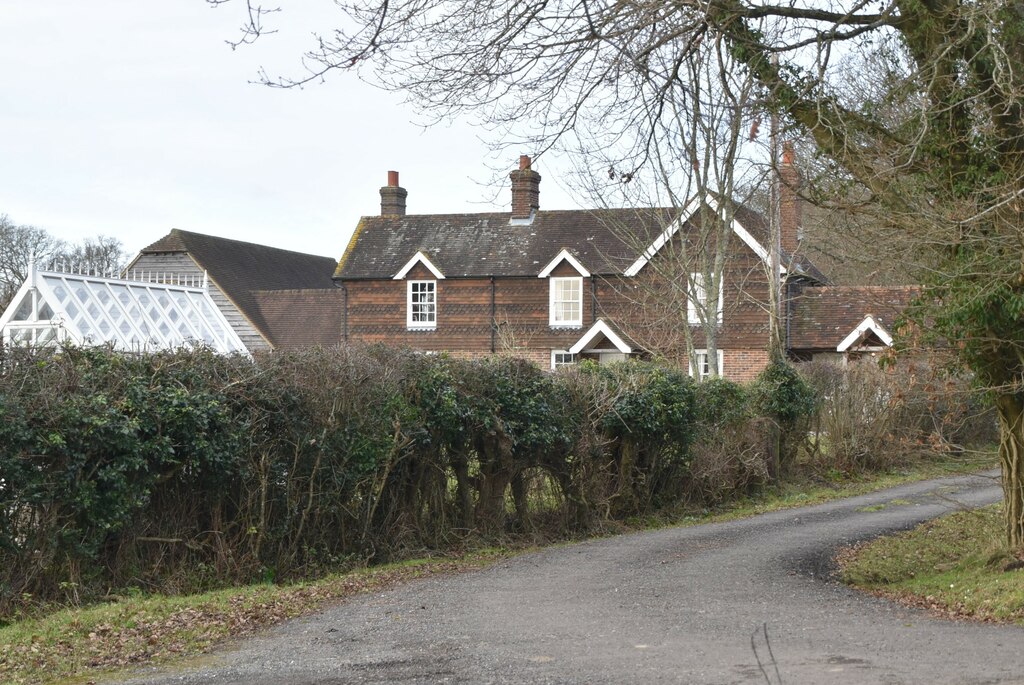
(132, 316)
(24, 309)
(81, 292)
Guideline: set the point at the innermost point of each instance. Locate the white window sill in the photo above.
(566, 326)
(424, 329)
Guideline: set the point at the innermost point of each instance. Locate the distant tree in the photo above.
(19, 244)
(101, 254)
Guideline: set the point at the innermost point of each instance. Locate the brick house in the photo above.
(551, 286)
(558, 286)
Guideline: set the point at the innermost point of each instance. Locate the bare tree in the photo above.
(945, 167)
(101, 255)
(20, 244)
(699, 159)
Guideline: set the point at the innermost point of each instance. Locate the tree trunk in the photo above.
(520, 499)
(1010, 408)
(464, 492)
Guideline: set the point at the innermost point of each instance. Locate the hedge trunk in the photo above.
(1010, 408)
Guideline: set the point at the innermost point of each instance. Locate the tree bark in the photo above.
(1010, 409)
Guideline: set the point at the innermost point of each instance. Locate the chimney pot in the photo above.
(392, 197)
(524, 162)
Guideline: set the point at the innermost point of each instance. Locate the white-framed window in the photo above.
(560, 358)
(566, 301)
(421, 305)
(699, 301)
(703, 368)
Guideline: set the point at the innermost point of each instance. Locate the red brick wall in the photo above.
(743, 365)
(377, 313)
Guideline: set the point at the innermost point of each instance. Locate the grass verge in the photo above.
(956, 566)
(802, 492)
(78, 645)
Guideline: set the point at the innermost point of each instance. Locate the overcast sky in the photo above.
(129, 118)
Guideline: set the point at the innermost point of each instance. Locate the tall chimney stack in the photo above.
(790, 203)
(392, 197)
(525, 190)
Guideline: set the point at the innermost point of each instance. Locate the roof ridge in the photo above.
(182, 233)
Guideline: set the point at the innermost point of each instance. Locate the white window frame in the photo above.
(701, 296)
(702, 361)
(556, 363)
(409, 307)
(553, 319)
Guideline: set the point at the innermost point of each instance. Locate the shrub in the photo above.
(781, 396)
(729, 456)
(872, 418)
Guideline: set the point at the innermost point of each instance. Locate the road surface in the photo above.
(747, 601)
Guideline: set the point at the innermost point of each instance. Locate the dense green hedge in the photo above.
(186, 470)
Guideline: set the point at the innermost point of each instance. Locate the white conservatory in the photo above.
(143, 315)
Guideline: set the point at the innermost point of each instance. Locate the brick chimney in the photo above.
(790, 202)
(525, 190)
(392, 197)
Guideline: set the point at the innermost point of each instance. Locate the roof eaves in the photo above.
(564, 255)
(600, 328)
(418, 258)
(867, 324)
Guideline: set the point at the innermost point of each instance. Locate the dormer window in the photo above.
(567, 301)
(566, 292)
(421, 305)
(421, 294)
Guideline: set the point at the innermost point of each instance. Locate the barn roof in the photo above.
(242, 270)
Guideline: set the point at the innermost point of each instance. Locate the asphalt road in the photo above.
(681, 605)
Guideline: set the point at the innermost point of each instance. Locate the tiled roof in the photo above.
(240, 269)
(820, 317)
(487, 245)
(481, 245)
(302, 318)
